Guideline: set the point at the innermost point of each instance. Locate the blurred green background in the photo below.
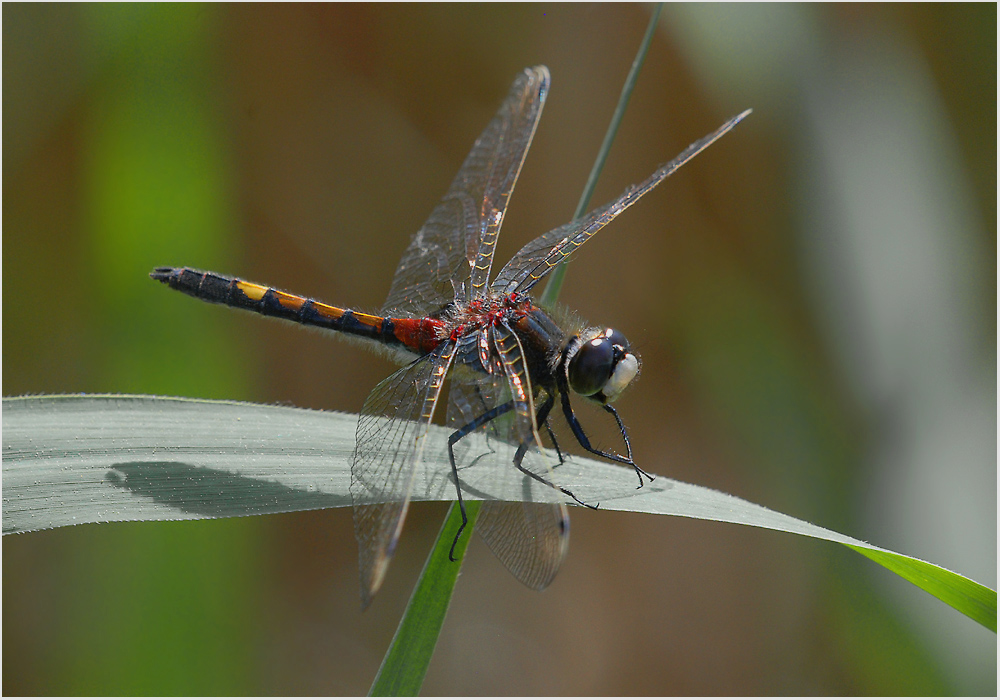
(813, 299)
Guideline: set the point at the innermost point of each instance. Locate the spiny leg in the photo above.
(628, 445)
(542, 417)
(584, 441)
(555, 444)
(482, 420)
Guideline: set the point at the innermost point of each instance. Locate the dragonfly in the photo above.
(509, 362)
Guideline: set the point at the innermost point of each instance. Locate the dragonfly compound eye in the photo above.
(603, 365)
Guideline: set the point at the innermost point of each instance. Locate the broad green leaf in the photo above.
(70, 460)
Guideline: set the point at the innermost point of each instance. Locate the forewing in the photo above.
(390, 442)
(450, 256)
(536, 259)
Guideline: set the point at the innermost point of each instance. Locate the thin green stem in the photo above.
(405, 664)
(554, 286)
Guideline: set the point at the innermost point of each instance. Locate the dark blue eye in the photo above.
(591, 366)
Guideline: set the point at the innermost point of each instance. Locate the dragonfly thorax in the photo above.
(485, 311)
(600, 364)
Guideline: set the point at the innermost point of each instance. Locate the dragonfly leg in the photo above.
(452, 439)
(584, 441)
(640, 472)
(522, 449)
(555, 443)
(541, 418)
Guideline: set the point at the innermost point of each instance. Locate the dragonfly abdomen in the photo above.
(419, 335)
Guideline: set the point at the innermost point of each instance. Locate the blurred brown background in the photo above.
(813, 299)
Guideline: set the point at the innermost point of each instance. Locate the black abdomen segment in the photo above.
(232, 291)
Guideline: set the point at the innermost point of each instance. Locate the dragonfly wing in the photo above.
(530, 537)
(468, 400)
(507, 141)
(484, 459)
(450, 257)
(535, 260)
(390, 443)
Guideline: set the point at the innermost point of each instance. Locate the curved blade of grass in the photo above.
(70, 460)
(976, 601)
(405, 664)
(85, 459)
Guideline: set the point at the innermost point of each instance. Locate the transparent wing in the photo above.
(530, 537)
(450, 256)
(390, 442)
(476, 396)
(536, 259)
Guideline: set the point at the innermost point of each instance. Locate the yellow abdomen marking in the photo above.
(253, 291)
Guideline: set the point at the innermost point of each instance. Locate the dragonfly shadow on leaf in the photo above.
(214, 493)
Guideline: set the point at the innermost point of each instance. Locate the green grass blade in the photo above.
(963, 594)
(405, 664)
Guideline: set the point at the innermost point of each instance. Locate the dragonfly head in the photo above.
(600, 364)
